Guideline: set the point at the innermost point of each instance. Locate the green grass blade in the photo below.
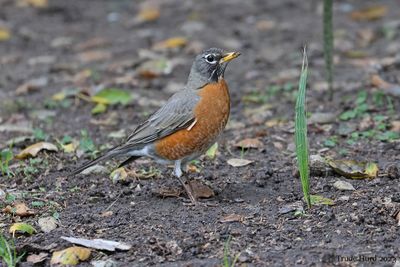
(328, 44)
(301, 131)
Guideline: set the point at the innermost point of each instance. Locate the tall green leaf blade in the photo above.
(301, 131)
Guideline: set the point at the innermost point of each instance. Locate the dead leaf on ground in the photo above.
(154, 68)
(36, 258)
(395, 126)
(19, 209)
(249, 143)
(118, 175)
(353, 169)
(168, 192)
(318, 200)
(235, 162)
(369, 13)
(95, 42)
(22, 228)
(232, 218)
(377, 81)
(32, 85)
(5, 34)
(47, 224)
(70, 147)
(33, 3)
(70, 256)
(33, 150)
(171, 43)
(94, 55)
(200, 190)
(147, 14)
(101, 244)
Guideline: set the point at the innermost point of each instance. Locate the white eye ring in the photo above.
(211, 58)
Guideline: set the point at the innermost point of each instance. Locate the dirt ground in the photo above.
(90, 45)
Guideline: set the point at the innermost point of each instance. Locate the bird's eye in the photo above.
(210, 58)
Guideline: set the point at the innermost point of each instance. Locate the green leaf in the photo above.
(320, 200)
(99, 108)
(388, 136)
(22, 228)
(86, 144)
(329, 143)
(301, 140)
(113, 96)
(347, 115)
(212, 151)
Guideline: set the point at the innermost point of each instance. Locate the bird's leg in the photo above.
(178, 174)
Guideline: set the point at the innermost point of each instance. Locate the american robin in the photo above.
(187, 125)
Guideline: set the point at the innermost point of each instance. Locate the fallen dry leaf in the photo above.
(232, 218)
(94, 55)
(36, 258)
(101, 244)
(47, 224)
(377, 81)
(200, 190)
(70, 256)
(354, 169)
(95, 42)
(19, 209)
(343, 185)
(71, 147)
(174, 42)
(395, 126)
(33, 150)
(147, 14)
(369, 13)
(119, 174)
(168, 192)
(5, 34)
(235, 162)
(32, 85)
(34, 3)
(249, 143)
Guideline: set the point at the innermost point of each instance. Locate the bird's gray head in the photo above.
(209, 66)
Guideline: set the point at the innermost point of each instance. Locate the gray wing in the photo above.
(176, 114)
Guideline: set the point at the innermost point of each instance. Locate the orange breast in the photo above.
(211, 113)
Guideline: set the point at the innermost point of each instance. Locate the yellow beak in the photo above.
(229, 56)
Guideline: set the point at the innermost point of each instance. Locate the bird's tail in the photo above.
(109, 154)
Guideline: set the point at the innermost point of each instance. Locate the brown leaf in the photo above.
(174, 42)
(36, 258)
(5, 34)
(232, 218)
(395, 126)
(32, 85)
(239, 162)
(200, 190)
(19, 209)
(369, 13)
(377, 81)
(70, 256)
(354, 169)
(34, 3)
(96, 42)
(94, 55)
(147, 14)
(249, 143)
(33, 150)
(169, 192)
